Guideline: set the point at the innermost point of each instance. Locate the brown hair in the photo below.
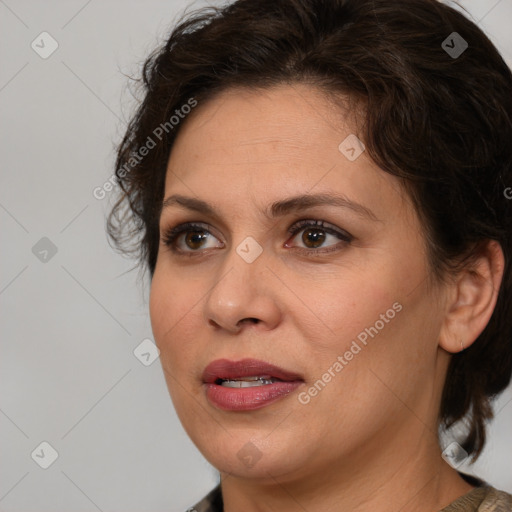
(441, 122)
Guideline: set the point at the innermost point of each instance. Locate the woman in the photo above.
(318, 189)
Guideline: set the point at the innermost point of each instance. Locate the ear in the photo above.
(473, 298)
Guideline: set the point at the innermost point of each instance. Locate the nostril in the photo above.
(253, 320)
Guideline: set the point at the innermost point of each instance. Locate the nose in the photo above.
(243, 294)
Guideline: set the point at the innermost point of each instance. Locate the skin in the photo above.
(369, 437)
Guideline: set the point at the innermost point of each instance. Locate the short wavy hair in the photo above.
(440, 122)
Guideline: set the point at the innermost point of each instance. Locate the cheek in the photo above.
(173, 311)
(366, 327)
(172, 304)
(332, 309)
(161, 305)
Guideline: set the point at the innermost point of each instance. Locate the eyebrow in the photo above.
(278, 208)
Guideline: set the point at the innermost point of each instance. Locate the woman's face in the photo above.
(345, 307)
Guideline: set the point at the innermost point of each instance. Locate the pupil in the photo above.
(313, 236)
(194, 239)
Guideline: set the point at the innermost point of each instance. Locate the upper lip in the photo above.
(226, 369)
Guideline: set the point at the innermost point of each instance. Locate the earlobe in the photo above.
(475, 292)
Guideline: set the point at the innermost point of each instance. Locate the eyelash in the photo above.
(170, 235)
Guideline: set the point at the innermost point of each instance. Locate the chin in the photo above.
(238, 456)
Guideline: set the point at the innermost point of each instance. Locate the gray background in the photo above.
(71, 320)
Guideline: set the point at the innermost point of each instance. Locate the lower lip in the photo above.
(248, 399)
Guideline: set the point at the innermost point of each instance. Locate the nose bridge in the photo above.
(243, 288)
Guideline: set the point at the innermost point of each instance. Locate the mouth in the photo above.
(246, 371)
(247, 384)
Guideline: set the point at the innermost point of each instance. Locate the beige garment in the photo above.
(482, 499)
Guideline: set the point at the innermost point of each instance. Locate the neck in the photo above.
(408, 475)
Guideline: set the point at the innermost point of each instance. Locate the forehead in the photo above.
(282, 129)
(279, 141)
(284, 115)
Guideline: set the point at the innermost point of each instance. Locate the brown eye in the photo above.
(313, 237)
(193, 240)
(316, 235)
(190, 238)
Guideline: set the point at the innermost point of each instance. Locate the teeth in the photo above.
(255, 377)
(248, 382)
